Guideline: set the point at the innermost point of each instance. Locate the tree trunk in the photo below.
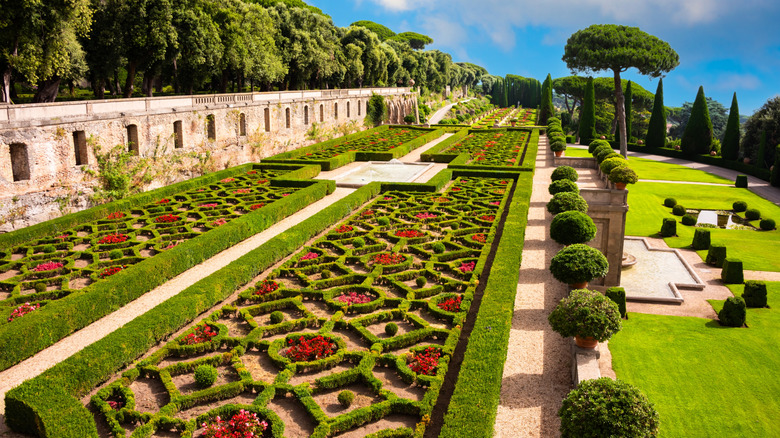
(614, 123)
(47, 90)
(620, 108)
(98, 87)
(131, 70)
(223, 82)
(71, 88)
(148, 84)
(117, 90)
(5, 94)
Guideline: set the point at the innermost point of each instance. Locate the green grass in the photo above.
(706, 380)
(756, 249)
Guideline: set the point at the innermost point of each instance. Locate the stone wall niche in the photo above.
(20, 163)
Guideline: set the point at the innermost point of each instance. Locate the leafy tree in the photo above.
(103, 47)
(381, 31)
(200, 47)
(697, 138)
(618, 48)
(587, 131)
(730, 143)
(291, 4)
(376, 110)
(547, 110)
(628, 96)
(656, 130)
(761, 156)
(766, 119)
(415, 40)
(718, 116)
(570, 87)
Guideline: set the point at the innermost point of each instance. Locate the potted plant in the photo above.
(513, 121)
(578, 264)
(623, 175)
(558, 146)
(588, 316)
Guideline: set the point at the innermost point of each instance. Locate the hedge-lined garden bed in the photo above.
(494, 150)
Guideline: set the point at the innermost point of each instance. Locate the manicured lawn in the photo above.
(706, 380)
(757, 249)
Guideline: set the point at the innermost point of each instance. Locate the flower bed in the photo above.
(388, 258)
(408, 233)
(113, 238)
(24, 309)
(48, 266)
(308, 349)
(354, 298)
(425, 362)
(244, 424)
(379, 141)
(265, 287)
(492, 148)
(450, 304)
(201, 334)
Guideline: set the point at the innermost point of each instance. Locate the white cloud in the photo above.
(399, 5)
(732, 81)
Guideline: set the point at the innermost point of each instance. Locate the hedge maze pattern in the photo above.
(318, 325)
(381, 141)
(493, 148)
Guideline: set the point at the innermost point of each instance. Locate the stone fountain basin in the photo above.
(383, 171)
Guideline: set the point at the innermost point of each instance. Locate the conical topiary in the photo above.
(730, 145)
(547, 109)
(588, 114)
(697, 137)
(761, 157)
(656, 129)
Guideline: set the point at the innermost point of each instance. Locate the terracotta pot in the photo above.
(513, 123)
(586, 342)
(582, 285)
(558, 153)
(620, 186)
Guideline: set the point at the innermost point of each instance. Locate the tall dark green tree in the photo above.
(730, 144)
(775, 178)
(656, 129)
(618, 48)
(761, 156)
(628, 96)
(547, 110)
(765, 119)
(697, 138)
(588, 117)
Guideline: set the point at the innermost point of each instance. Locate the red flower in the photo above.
(22, 310)
(48, 266)
(409, 233)
(113, 238)
(306, 350)
(353, 298)
(202, 333)
(450, 304)
(167, 218)
(479, 237)
(110, 271)
(310, 256)
(425, 362)
(467, 267)
(487, 217)
(388, 258)
(116, 215)
(266, 287)
(163, 201)
(228, 180)
(344, 229)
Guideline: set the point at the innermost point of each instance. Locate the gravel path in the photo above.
(441, 112)
(537, 372)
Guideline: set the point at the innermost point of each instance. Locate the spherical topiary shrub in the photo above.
(604, 155)
(438, 247)
(558, 145)
(48, 249)
(669, 227)
(607, 165)
(567, 201)
(752, 214)
(564, 172)
(420, 281)
(670, 202)
(391, 329)
(689, 219)
(624, 175)
(597, 143)
(116, 254)
(205, 375)
(755, 293)
(572, 227)
(276, 317)
(678, 210)
(767, 224)
(325, 273)
(733, 312)
(384, 221)
(578, 263)
(40, 287)
(739, 206)
(563, 185)
(603, 149)
(586, 314)
(604, 407)
(346, 398)
(358, 242)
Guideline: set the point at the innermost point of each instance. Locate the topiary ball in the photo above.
(733, 312)
(325, 273)
(678, 210)
(586, 314)
(384, 220)
(603, 149)
(276, 317)
(670, 202)
(689, 220)
(421, 281)
(767, 224)
(558, 145)
(358, 242)
(564, 172)
(604, 407)
(578, 263)
(607, 165)
(48, 249)
(570, 227)
(567, 201)
(438, 247)
(597, 143)
(563, 185)
(739, 206)
(346, 398)
(205, 375)
(40, 287)
(116, 254)
(391, 329)
(752, 214)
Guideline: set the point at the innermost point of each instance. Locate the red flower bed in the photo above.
(451, 304)
(306, 350)
(22, 310)
(256, 206)
(242, 191)
(218, 222)
(202, 333)
(113, 238)
(487, 217)
(48, 266)
(495, 202)
(479, 237)
(116, 215)
(425, 362)
(63, 237)
(425, 215)
(441, 199)
(167, 218)
(244, 424)
(310, 256)
(467, 266)
(110, 271)
(388, 258)
(409, 233)
(354, 298)
(367, 213)
(227, 180)
(163, 201)
(208, 205)
(266, 287)
(344, 229)
(262, 181)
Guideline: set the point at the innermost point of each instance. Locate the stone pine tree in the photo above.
(697, 137)
(588, 114)
(618, 48)
(730, 145)
(656, 128)
(547, 110)
(628, 96)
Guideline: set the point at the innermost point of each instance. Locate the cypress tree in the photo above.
(628, 95)
(730, 145)
(588, 114)
(761, 158)
(547, 110)
(697, 137)
(775, 178)
(656, 129)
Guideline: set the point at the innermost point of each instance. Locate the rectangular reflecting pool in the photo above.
(383, 171)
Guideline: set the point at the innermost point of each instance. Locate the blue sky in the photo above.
(724, 45)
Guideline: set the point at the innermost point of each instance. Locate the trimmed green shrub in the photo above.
(587, 314)
(669, 227)
(421, 281)
(752, 214)
(276, 317)
(678, 210)
(739, 206)
(326, 273)
(358, 242)
(733, 312)
(587, 127)
(732, 271)
(730, 146)
(384, 221)
(656, 127)
(755, 293)
(558, 145)
(602, 149)
(597, 143)
(767, 224)
(564, 172)
(571, 227)
(40, 287)
(701, 239)
(346, 398)
(578, 263)
(116, 254)
(716, 255)
(606, 166)
(774, 179)
(670, 202)
(563, 185)
(48, 249)
(697, 137)
(391, 329)
(603, 154)
(689, 220)
(741, 181)
(623, 174)
(618, 295)
(438, 247)
(567, 201)
(205, 375)
(599, 408)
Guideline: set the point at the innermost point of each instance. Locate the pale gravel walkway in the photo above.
(537, 372)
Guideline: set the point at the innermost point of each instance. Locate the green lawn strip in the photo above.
(49, 404)
(706, 380)
(474, 403)
(754, 248)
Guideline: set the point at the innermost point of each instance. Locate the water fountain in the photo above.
(384, 171)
